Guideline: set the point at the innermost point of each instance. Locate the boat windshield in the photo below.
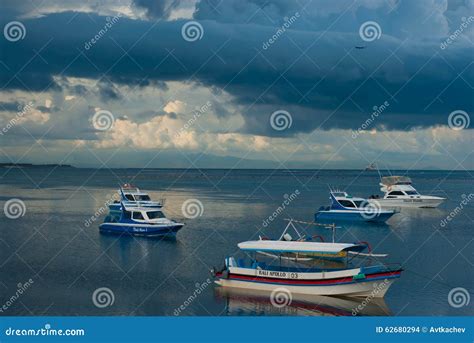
(339, 194)
(346, 203)
(411, 192)
(360, 203)
(142, 197)
(155, 214)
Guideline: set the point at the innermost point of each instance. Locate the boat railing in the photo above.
(290, 221)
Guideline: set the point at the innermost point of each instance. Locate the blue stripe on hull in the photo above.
(382, 217)
(140, 231)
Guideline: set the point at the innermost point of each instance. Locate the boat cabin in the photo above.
(135, 214)
(342, 200)
(398, 186)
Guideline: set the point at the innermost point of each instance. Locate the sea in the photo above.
(55, 262)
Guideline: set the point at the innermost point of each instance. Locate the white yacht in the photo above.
(399, 192)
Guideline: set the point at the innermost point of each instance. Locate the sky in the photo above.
(238, 83)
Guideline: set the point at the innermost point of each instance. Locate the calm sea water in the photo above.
(69, 260)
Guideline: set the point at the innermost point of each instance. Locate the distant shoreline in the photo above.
(53, 165)
(31, 165)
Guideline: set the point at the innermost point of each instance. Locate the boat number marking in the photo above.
(283, 275)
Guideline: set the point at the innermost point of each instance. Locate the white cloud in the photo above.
(176, 106)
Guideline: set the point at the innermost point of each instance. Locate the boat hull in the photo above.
(141, 230)
(356, 289)
(340, 215)
(344, 282)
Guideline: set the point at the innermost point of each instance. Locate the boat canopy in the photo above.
(395, 180)
(299, 247)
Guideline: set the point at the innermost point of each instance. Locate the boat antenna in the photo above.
(378, 171)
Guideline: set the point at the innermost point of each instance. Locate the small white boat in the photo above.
(298, 278)
(399, 192)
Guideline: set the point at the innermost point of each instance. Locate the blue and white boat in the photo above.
(137, 214)
(347, 208)
(141, 221)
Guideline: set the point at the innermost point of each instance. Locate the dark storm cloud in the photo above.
(10, 106)
(146, 116)
(331, 84)
(108, 92)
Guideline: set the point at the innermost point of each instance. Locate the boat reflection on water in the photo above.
(239, 301)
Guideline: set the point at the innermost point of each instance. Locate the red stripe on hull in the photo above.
(308, 282)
